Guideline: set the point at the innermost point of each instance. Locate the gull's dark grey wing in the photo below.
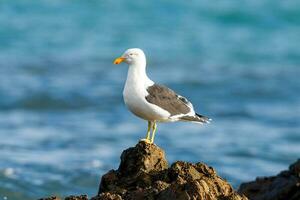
(168, 100)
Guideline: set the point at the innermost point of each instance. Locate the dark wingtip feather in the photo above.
(196, 118)
(203, 118)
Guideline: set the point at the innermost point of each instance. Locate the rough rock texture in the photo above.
(81, 197)
(144, 174)
(50, 198)
(284, 186)
(72, 197)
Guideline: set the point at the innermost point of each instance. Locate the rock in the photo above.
(50, 198)
(286, 185)
(107, 196)
(81, 197)
(144, 174)
(72, 197)
(142, 158)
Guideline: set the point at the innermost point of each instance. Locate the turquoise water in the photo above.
(62, 118)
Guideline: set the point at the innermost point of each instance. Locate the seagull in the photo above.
(151, 101)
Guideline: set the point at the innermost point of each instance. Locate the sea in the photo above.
(63, 122)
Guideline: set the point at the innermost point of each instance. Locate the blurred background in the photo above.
(63, 122)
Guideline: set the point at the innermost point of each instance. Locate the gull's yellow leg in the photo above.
(153, 132)
(148, 131)
(147, 139)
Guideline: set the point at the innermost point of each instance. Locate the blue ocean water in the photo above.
(63, 122)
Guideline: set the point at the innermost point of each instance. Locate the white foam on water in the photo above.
(9, 172)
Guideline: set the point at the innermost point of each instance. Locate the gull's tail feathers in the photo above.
(197, 118)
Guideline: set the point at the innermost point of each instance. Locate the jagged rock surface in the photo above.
(144, 174)
(50, 198)
(284, 186)
(72, 197)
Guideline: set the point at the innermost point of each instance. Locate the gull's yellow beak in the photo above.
(119, 60)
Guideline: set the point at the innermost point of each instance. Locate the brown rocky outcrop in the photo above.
(144, 174)
(284, 186)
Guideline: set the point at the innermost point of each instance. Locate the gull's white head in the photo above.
(132, 57)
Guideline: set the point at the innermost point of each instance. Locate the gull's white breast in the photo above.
(134, 97)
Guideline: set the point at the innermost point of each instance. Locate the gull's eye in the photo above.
(131, 54)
